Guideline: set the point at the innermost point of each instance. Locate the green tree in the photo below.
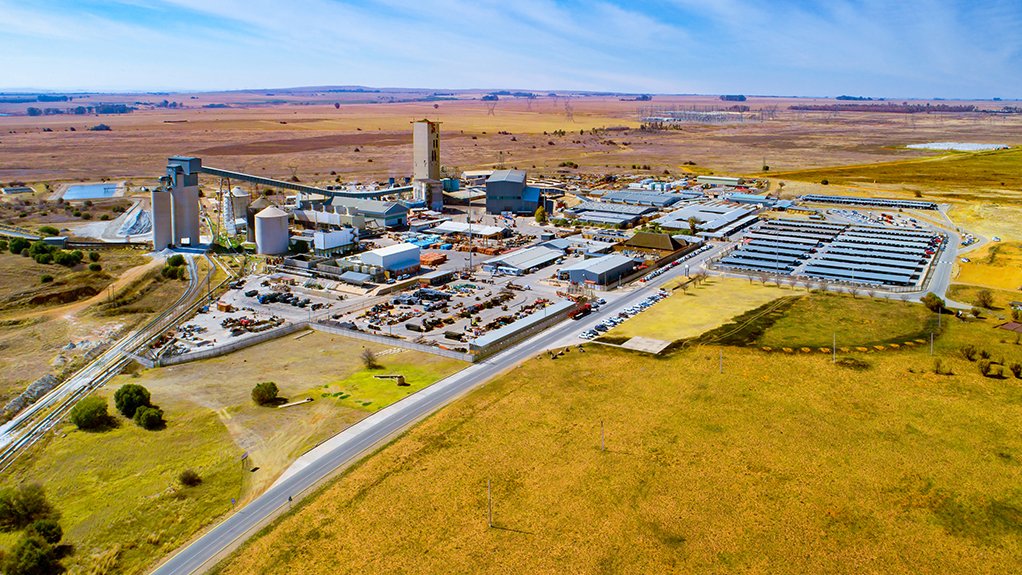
(17, 245)
(189, 478)
(20, 506)
(176, 260)
(540, 215)
(32, 556)
(48, 231)
(95, 267)
(48, 529)
(985, 299)
(693, 225)
(265, 393)
(90, 413)
(149, 417)
(130, 397)
(93, 256)
(4, 246)
(933, 302)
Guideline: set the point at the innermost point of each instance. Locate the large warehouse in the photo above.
(506, 192)
(601, 271)
(397, 259)
(523, 261)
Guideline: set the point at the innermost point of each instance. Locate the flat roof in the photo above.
(452, 227)
(528, 258)
(401, 248)
(522, 324)
(601, 264)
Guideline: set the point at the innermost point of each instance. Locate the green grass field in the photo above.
(782, 464)
(117, 490)
(997, 170)
(814, 320)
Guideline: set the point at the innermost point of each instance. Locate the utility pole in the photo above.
(489, 505)
(931, 343)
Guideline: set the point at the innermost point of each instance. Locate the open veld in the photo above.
(118, 491)
(785, 463)
(696, 309)
(87, 309)
(996, 265)
(367, 136)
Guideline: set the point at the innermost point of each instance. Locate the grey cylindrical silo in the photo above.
(239, 202)
(254, 208)
(271, 231)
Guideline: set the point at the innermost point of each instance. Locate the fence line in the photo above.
(337, 330)
(233, 346)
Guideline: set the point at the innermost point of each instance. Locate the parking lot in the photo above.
(256, 304)
(623, 315)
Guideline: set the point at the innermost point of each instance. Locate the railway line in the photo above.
(34, 421)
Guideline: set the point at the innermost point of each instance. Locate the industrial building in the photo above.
(602, 271)
(523, 261)
(610, 214)
(475, 230)
(858, 254)
(751, 199)
(272, 236)
(720, 181)
(385, 215)
(716, 219)
(175, 204)
(506, 192)
(871, 202)
(644, 198)
(397, 259)
(426, 185)
(331, 242)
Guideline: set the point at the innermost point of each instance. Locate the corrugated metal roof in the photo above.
(516, 176)
(601, 264)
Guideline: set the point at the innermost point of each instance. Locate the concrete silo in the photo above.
(240, 199)
(254, 208)
(163, 228)
(271, 231)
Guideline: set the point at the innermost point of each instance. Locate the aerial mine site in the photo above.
(631, 289)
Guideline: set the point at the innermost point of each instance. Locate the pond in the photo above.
(957, 146)
(90, 191)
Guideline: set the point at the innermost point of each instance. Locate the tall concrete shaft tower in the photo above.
(426, 164)
(176, 204)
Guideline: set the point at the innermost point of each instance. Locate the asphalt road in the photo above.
(356, 441)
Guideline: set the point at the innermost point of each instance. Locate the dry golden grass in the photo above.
(783, 464)
(996, 265)
(691, 312)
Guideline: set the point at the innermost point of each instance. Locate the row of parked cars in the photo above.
(279, 297)
(626, 313)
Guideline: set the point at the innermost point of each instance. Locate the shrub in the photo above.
(68, 259)
(265, 393)
(32, 556)
(39, 247)
(369, 358)
(94, 256)
(1016, 369)
(985, 299)
(130, 397)
(969, 352)
(4, 246)
(933, 302)
(43, 259)
(149, 417)
(90, 413)
(189, 478)
(176, 260)
(20, 506)
(46, 278)
(18, 245)
(86, 216)
(940, 368)
(985, 367)
(95, 268)
(48, 231)
(984, 354)
(104, 217)
(48, 529)
(824, 182)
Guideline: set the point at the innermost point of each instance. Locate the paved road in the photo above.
(354, 442)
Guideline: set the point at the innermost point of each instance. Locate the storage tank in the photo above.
(239, 202)
(271, 231)
(254, 208)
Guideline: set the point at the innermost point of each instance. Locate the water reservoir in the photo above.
(90, 191)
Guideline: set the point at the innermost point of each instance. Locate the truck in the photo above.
(580, 311)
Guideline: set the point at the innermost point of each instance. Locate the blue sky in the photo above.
(893, 48)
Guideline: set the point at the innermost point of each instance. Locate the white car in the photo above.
(966, 260)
